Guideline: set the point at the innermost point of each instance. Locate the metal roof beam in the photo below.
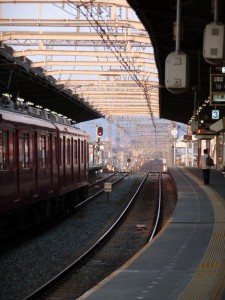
(70, 23)
(63, 52)
(114, 92)
(106, 83)
(105, 76)
(91, 63)
(71, 36)
(104, 73)
(122, 3)
(111, 103)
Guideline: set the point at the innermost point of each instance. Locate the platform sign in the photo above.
(217, 89)
(215, 114)
(108, 187)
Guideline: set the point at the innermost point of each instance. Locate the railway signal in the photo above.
(100, 131)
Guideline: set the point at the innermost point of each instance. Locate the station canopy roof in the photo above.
(87, 59)
(21, 81)
(159, 19)
(83, 59)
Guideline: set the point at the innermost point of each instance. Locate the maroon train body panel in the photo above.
(39, 160)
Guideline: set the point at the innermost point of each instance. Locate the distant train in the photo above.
(43, 165)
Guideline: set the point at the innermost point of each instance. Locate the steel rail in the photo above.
(37, 293)
(100, 180)
(98, 193)
(159, 206)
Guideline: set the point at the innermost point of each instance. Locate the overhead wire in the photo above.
(108, 37)
(110, 45)
(142, 84)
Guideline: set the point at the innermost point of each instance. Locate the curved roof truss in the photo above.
(97, 49)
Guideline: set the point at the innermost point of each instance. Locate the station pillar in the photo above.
(199, 151)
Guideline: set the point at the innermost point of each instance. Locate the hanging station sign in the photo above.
(217, 89)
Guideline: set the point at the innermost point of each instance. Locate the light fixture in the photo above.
(7, 95)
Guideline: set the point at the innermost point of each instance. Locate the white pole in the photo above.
(192, 154)
(174, 134)
(186, 155)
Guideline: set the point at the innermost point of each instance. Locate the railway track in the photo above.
(134, 226)
(95, 189)
(34, 262)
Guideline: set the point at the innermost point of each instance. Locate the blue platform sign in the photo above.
(215, 114)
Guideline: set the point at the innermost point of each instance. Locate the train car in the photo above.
(43, 166)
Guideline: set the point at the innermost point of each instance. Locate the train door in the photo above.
(64, 161)
(85, 160)
(68, 161)
(16, 163)
(35, 162)
(78, 161)
(50, 148)
(8, 186)
(75, 167)
(60, 163)
(82, 161)
(56, 184)
(25, 159)
(72, 162)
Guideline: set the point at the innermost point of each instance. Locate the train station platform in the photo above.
(187, 258)
(95, 168)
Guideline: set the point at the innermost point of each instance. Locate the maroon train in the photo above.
(43, 165)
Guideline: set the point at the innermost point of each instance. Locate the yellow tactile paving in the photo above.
(209, 280)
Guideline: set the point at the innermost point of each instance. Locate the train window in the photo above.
(75, 151)
(82, 151)
(4, 150)
(43, 150)
(25, 150)
(68, 152)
